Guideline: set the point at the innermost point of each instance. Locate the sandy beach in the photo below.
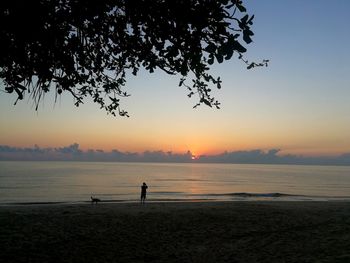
(177, 232)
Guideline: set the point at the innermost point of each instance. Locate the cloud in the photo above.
(74, 153)
(253, 156)
(71, 149)
(273, 156)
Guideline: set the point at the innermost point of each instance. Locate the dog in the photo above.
(95, 200)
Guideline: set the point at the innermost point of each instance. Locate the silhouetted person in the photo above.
(143, 192)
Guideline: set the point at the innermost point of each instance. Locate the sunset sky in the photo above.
(299, 104)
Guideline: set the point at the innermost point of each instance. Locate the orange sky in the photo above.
(92, 129)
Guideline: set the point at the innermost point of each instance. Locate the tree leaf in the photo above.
(211, 60)
(237, 46)
(211, 48)
(251, 65)
(206, 102)
(241, 8)
(246, 36)
(219, 57)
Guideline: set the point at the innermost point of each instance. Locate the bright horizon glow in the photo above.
(299, 104)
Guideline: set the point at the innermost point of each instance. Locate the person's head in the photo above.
(144, 183)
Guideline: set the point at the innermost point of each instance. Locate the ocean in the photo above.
(75, 182)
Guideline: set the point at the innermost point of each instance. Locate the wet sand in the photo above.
(176, 232)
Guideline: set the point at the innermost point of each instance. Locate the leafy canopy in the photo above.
(87, 47)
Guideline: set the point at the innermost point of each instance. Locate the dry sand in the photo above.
(177, 232)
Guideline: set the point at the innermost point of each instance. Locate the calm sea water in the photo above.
(26, 182)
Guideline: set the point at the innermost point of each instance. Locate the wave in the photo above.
(188, 197)
(245, 194)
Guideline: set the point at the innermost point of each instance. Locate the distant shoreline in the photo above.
(347, 164)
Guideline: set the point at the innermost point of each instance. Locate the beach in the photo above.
(176, 232)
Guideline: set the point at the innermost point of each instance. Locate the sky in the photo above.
(298, 105)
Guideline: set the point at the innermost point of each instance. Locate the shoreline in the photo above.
(244, 197)
(168, 204)
(177, 204)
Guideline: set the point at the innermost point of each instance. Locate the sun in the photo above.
(193, 157)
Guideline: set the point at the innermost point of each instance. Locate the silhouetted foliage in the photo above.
(88, 47)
